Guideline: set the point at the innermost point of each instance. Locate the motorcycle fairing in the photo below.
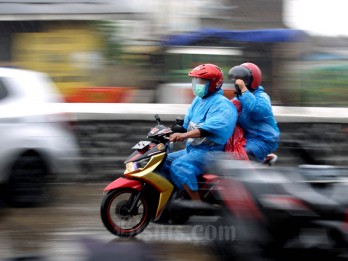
(154, 161)
(161, 184)
(124, 183)
(165, 189)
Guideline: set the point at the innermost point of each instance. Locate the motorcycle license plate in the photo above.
(141, 144)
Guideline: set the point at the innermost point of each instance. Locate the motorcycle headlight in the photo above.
(131, 166)
(134, 165)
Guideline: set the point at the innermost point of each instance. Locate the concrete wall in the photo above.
(106, 133)
(105, 144)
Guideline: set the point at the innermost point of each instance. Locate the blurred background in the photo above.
(137, 52)
(105, 51)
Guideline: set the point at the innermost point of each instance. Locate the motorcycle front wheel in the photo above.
(119, 218)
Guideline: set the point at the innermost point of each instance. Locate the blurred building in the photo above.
(91, 46)
(61, 38)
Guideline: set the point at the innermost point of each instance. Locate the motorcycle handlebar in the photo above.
(178, 128)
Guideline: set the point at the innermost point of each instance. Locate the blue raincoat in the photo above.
(258, 122)
(215, 114)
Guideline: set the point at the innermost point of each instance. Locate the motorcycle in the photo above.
(142, 195)
(281, 211)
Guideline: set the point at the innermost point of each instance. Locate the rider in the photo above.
(256, 116)
(209, 121)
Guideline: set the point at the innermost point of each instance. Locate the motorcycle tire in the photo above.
(115, 213)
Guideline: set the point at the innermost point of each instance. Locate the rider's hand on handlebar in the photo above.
(177, 137)
(195, 133)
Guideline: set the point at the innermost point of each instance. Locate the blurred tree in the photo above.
(325, 86)
(113, 43)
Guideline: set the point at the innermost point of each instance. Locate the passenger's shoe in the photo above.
(270, 159)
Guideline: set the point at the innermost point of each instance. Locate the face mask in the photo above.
(200, 90)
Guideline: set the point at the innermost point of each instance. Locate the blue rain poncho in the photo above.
(258, 122)
(214, 114)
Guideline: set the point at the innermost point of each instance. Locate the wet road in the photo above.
(71, 229)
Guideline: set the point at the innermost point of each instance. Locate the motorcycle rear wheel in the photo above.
(116, 216)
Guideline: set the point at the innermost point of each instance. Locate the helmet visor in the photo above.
(200, 86)
(197, 80)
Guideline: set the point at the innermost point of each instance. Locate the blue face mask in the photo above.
(200, 90)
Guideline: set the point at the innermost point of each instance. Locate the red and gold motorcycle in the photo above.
(142, 195)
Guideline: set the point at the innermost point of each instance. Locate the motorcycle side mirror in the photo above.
(158, 120)
(178, 126)
(179, 121)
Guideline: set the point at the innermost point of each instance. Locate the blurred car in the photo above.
(37, 141)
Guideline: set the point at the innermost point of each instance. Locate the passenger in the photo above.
(256, 116)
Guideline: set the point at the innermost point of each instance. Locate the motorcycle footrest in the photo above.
(195, 207)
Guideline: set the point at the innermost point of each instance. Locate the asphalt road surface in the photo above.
(71, 229)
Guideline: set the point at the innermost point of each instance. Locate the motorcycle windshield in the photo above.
(159, 130)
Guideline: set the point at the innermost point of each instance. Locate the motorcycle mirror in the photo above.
(179, 120)
(157, 119)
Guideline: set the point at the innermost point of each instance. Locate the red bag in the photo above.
(235, 144)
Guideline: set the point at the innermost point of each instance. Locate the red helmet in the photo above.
(255, 74)
(210, 72)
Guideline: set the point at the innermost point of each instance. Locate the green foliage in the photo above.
(325, 86)
(113, 43)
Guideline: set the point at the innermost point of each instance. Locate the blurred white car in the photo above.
(37, 141)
